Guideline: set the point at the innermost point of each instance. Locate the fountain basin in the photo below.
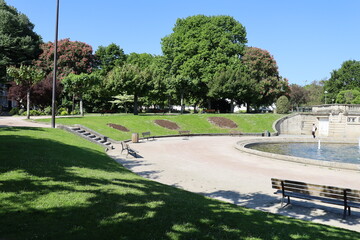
(310, 144)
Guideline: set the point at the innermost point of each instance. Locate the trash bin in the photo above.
(267, 133)
(135, 137)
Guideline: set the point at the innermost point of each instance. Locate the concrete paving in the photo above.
(21, 121)
(211, 166)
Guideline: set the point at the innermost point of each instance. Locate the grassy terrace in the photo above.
(196, 123)
(54, 185)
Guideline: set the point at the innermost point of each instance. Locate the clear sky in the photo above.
(308, 38)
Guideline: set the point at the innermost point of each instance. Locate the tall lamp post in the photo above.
(325, 95)
(55, 67)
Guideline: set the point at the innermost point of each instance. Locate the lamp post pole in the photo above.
(325, 95)
(53, 107)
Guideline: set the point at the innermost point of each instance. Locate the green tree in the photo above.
(109, 57)
(282, 105)
(130, 79)
(26, 76)
(231, 84)
(98, 95)
(123, 101)
(202, 45)
(298, 95)
(142, 60)
(77, 85)
(160, 90)
(315, 91)
(19, 44)
(347, 96)
(347, 77)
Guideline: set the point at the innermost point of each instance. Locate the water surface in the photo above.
(335, 152)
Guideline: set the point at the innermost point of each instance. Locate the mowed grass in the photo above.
(196, 123)
(55, 185)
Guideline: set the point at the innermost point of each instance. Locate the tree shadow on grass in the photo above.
(17, 129)
(52, 190)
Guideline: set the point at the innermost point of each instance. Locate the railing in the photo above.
(344, 108)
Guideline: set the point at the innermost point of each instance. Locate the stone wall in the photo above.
(339, 123)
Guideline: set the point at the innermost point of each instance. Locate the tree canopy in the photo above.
(108, 57)
(19, 44)
(27, 77)
(130, 79)
(205, 62)
(347, 77)
(202, 45)
(265, 84)
(74, 57)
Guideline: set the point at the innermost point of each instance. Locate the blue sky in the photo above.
(308, 38)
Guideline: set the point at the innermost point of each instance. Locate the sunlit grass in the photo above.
(54, 185)
(196, 123)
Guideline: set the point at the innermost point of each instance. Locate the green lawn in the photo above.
(196, 123)
(55, 185)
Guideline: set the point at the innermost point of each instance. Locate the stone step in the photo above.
(92, 137)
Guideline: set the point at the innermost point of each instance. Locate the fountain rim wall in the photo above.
(244, 144)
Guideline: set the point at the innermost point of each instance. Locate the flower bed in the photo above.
(118, 127)
(222, 122)
(167, 124)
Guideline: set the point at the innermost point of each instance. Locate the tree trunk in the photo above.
(169, 104)
(232, 106)
(136, 112)
(28, 104)
(209, 103)
(247, 107)
(182, 102)
(81, 106)
(73, 103)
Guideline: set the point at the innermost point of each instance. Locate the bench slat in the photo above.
(316, 198)
(309, 188)
(323, 193)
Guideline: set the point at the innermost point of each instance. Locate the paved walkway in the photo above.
(20, 121)
(211, 166)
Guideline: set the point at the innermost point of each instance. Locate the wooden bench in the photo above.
(333, 195)
(210, 110)
(147, 135)
(126, 147)
(185, 133)
(103, 112)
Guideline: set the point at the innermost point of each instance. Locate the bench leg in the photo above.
(282, 201)
(344, 215)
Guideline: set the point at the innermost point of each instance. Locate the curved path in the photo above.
(213, 167)
(20, 121)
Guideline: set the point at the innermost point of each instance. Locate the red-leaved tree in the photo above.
(73, 57)
(265, 83)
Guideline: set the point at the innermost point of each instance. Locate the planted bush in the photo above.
(14, 111)
(282, 105)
